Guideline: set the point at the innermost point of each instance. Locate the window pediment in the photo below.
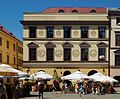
(84, 44)
(67, 45)
(102, 44)
(50, 45)
(33, 45)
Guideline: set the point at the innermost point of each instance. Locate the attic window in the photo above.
(74, 11)
(92, 11)
(61, 11)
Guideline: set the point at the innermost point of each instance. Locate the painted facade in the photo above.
(92, 20)
(11, 49)
(114, 15)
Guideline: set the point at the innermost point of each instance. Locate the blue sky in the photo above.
(11, 11)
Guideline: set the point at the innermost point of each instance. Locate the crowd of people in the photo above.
(89, 87)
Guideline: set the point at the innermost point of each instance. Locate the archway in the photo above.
(92, 72)
(67, 72)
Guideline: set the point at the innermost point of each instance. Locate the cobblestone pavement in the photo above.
(58, 95)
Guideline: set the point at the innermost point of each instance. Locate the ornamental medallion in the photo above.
(41, 53)
(58, 53)
(93, 53)
(75, 53)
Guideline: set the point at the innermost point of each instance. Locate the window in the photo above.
(61, 11)
(84, 54)
(0, 41)
(74, 11)
(32, 54)
(0, 57)
(32, 32)
(118, 20)
(92, 11)
(50, 52)
(50, 31)
(67, 54)
(67, 31)
(7, 44)
(102, 32)
(7, 59)
(14, 61)
(101, 54)
(13, 47)
(84, 32)
(117, 40)
(117, 60)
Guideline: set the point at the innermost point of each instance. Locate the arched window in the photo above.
(74, 11)
(93, 11)
(61, 11)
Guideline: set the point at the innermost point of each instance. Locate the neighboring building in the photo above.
(114, 16)
(11, 49)
(66, 40)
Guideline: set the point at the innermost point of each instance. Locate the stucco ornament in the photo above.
(75, 53)
(93, 33)
(93, 53)
(58, 53)
(75, 33)
(41, 33)
(58, 33)
(41, 53)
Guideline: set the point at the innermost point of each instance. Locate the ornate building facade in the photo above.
(66, 40)
(11, 49)
(114, 15)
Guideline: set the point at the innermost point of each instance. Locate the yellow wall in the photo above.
(5, 51)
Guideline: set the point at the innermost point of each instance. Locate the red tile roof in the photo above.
(80, 10)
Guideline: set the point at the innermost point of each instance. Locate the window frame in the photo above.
(31, 54)
(82, 32)
(49, 55)
(101, 31)
(101, 54)
(51, 32)
(84, 54)
(31, 30)
(69, 53)
(116, 37)
(66, 34)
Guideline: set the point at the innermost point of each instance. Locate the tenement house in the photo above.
(66, 40)
(114, 16)
(11, 49)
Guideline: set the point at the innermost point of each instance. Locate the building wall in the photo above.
(58, 63)
(10, 51)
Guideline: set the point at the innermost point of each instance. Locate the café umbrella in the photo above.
(41, 75)
(11, 69)
(75, 76)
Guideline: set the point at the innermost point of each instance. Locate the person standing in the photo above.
(41, 89)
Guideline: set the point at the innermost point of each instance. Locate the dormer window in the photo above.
(92, 11)
(61, 11)
(74, 11)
